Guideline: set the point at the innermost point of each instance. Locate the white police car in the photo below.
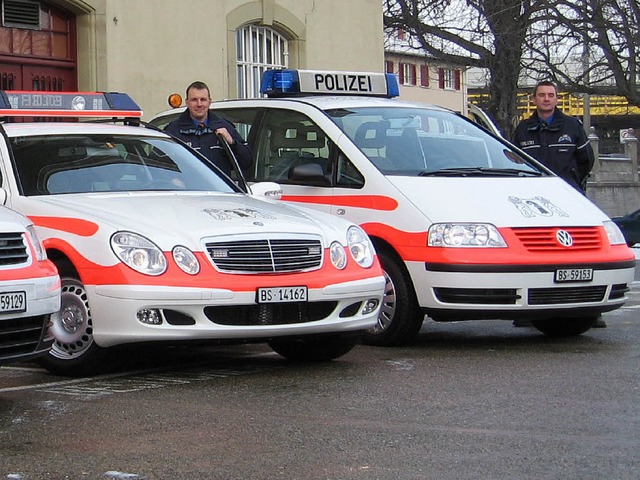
(154, 244)
(29, 290)
(466, 225)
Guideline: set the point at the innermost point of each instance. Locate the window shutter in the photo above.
(441, 78)
(457, 79)
(424, 75)
(401, 73)
(413, 74)
(389, 66)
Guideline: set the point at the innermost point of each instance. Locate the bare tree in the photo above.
(589, 46)
(488, 34)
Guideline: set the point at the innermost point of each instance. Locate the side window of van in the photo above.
(291, 149)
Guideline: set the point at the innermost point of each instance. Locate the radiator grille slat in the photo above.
(266, 255)
(544, 239)
(13, 250)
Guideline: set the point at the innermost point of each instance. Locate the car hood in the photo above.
(186, 218)
(503, 202)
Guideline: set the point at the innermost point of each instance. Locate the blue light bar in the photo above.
(288, 82)
(26, 103)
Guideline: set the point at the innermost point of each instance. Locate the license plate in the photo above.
(573, 275)
(13, 302)
(282, 294)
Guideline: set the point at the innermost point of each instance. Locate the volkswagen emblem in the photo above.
(564, 238)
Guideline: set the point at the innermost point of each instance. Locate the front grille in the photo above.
(13, 250)
(271, 314)
(544, 239)
(20, 336)
(557, 296)
(266, 255)
(482, 296)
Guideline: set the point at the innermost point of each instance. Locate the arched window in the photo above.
(258, 48)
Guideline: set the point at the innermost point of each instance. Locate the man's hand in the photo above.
(226, 135)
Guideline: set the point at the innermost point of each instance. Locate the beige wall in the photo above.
(150, 48)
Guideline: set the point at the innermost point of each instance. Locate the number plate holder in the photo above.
(569, 275)
(281, 294)
(13, 302)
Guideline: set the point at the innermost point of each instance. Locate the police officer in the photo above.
(556, 140)
(199, 127)
(559, 142)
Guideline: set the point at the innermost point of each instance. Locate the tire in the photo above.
(314, 348)
(400, 316)
(74, 352)
(564, 327)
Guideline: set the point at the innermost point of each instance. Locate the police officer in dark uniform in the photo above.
(199, 127)
(556, 140)
(559, 142)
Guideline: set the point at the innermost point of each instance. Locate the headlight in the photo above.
(614, 234)
(41, 253)
(464, 235)
(186, 260)
(138, 253)
(360, 246)
(338, 255)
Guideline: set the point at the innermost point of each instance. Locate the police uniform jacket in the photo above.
(204, 140)
(562, 146)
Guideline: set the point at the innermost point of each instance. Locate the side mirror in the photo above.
(270, 190)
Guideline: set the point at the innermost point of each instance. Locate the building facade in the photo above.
(150, 49)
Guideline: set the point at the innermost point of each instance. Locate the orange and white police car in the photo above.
(29, 290)
(153, 243)
(466, 226)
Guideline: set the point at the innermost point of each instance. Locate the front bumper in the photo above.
(186, 312)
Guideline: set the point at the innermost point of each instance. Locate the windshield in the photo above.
(429, 142)
(53, 164)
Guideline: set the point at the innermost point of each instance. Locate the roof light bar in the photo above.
(19, 103)
(289, 82)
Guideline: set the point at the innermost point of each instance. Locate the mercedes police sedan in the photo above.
(153, 243)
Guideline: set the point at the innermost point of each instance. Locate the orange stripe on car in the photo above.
(77, 226)
(372, 202)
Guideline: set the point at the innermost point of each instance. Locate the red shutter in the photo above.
(424, 75)
(441, 78)
(401, 73)
(413, 74)
(457, 79)
(389, 66)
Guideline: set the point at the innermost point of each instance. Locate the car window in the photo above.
(290, 142)
(54, 164)
(415, 141)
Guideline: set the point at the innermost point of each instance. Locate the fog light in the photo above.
(370, 305)
(150, 316)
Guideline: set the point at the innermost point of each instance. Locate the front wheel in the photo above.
(400, 317)
(315, 348)
(74, 353)
(564, 327)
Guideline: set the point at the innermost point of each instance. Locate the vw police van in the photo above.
(155, 244)
(466, 225)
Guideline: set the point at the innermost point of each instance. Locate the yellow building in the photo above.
(150, 48)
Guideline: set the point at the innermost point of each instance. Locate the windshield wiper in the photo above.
(479, 171)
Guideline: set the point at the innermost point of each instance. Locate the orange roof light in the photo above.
(175, 100)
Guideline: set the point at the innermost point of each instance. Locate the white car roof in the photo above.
(79, 128)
